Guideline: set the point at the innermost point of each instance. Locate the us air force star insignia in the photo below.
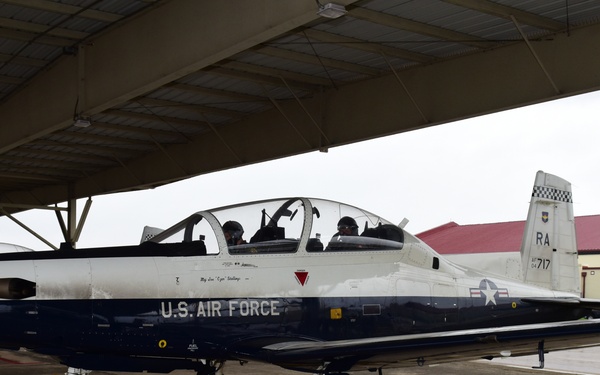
(490, 291)
(490, 294)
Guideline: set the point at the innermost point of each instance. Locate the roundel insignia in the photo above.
(489, 291)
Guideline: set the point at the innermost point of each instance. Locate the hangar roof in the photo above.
(452, 238)
(174, 89)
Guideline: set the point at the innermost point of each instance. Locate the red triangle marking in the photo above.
(301, 276)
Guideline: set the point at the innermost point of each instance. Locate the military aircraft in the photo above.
(319, 287)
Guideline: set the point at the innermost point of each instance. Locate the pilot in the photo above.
(346, 227)
(233, 233)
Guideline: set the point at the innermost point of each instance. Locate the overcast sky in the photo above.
(479, 170)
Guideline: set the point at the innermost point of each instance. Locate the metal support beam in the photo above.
(63, 226)
(27, 229)
(535, 55)
(82, 219)
(71, 220)
(32, 206)
(72, 229)
(287, 118)
(412, 99)
(223, 141)
(312, 119)
(175, 162)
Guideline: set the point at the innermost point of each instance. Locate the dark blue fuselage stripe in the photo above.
(205, 327)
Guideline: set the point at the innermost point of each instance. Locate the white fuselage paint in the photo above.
(397, 273)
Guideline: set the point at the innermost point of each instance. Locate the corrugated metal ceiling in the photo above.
(372, 39)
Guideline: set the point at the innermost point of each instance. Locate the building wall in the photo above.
(590, 275)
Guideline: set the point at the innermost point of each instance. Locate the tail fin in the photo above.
(149, 232)
(549, 247)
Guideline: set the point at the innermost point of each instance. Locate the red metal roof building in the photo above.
(455, 239)
(452, 238)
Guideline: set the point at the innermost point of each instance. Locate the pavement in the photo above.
(579, 361)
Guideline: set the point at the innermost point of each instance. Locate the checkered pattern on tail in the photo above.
(545, 192)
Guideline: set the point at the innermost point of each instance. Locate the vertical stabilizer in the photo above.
(549, 248)
(149, 232)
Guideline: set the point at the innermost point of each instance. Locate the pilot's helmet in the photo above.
(348, 223)
(235, 230)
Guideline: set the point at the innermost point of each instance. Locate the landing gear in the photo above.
(77, 371)
(540, 355)
(209, 367)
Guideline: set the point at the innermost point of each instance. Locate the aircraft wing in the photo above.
(584, 303)
(426, 348)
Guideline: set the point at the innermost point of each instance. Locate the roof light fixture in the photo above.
(331, 10)
(79, 120)
(82, 122)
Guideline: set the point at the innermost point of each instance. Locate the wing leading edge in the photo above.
(427, 348)
(572, 302)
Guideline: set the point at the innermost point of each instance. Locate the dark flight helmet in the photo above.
(235, 230)
(348, 222)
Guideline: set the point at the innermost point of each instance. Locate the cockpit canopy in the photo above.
(284, 226)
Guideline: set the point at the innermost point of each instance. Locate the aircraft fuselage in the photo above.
(188, 295)
(191, 306)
